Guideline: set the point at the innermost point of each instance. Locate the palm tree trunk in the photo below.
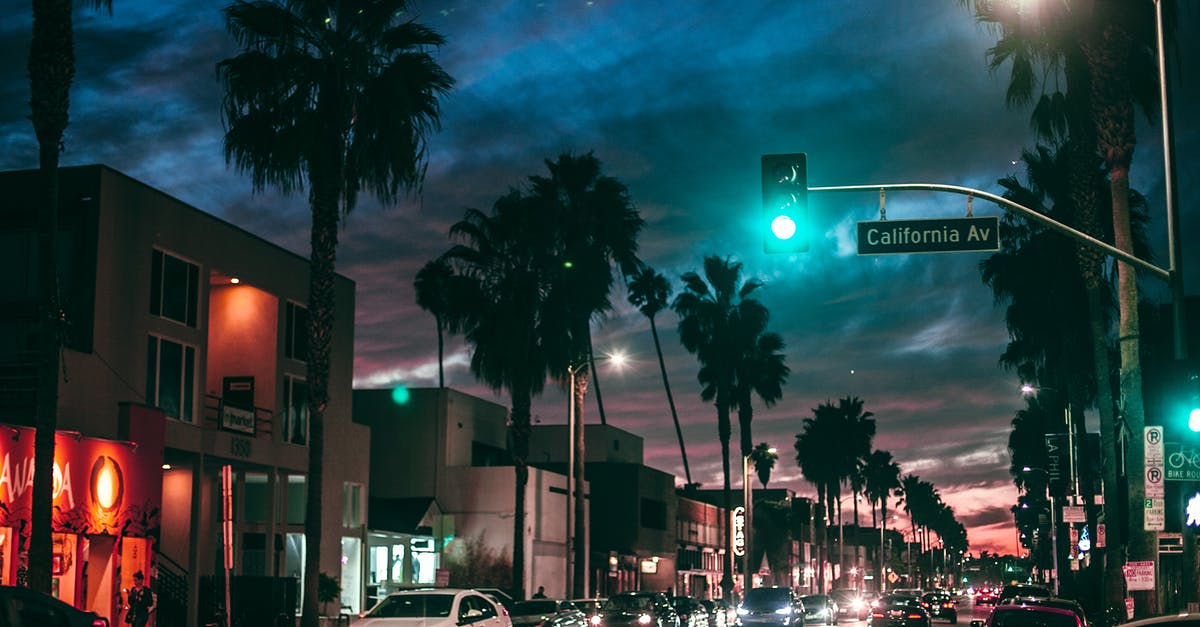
(519, 432)
(724, 431)
(662, 367)
(51, 70)
(820, 545)
(580, 572)
(745, 415)
(595, 380)
(325, 213)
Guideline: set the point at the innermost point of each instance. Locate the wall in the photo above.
(242, 341)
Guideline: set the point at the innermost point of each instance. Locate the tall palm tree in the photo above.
(709, 310)
(502, 270)
(336, 99)
(764, 460)
(595, 228)
(819, 460)
(649, 292)
(51, 70)
(432, 291)
(881, 476)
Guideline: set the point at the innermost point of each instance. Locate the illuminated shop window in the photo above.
(171, 377)
(352, 505)
(174, 288)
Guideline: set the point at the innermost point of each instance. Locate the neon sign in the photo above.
(739, 531)
(1193, 511)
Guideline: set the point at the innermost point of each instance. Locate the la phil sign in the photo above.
(738, 535)
(100, 486)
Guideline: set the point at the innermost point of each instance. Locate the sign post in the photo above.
(1154, 504)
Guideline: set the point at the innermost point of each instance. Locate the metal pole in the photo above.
(1054, 543)
(747, 578)
(1175, 252)
(570, 547)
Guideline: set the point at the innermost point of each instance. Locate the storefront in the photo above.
(106, 504)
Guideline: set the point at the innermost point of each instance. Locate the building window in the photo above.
(654, 514)
(295, 332)
(174, 288)
(295, 410)
(171, 377)
(352, 505)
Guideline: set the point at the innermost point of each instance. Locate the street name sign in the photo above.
(933, 235)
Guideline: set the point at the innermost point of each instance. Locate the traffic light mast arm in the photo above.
(1009, 205)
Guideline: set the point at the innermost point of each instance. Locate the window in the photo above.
(352, 505)
(171, 377)
(654, 514)
(295, 332)
(296, 493)
(174, 288)
(295, 403)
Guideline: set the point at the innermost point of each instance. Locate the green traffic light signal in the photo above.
(785, 203)
(1193, 402)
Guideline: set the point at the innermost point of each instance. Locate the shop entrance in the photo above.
(98, 575)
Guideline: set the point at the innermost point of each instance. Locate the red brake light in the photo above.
(914, 616)
(876, 614)
(100, 621)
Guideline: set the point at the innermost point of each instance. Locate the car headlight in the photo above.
(644, 619)
(741, 611)
(857, 604)
(786, 611)
(596, 620)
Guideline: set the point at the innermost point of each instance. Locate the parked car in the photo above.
(546, 613)
(940, 605)
(22, 607)
(636, 609)
(1030, 615)
(1173, 620)
(899, 610)
(851, 602)
(440, 607)
(819, 608)
(776, 606)
(691, 612)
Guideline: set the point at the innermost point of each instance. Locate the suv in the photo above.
(776, 606)
(940, 605)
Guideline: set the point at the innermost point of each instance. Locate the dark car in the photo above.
(819, 608)
(940, 605)
(850, 602)
(1173, 620)
(692, 612)
(1015, 591)
(546, 613)
(774, 606)
(1030, 615)
(636, 609)
(26, 608)
(589, 607)
(899, 610)
(987, 596)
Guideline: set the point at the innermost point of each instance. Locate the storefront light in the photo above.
(107, 483)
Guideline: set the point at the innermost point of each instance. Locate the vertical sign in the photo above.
(1154, 518)
(738, 525)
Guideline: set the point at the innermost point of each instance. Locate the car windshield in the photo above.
(897, 599)
(526, 608)
(766, 598)
(413, 606)
(589, 605)
(1031, 618)
(629, 603)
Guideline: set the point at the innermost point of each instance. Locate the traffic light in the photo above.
(785, 203)
(1191, 399)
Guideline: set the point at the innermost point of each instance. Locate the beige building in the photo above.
(177, 311)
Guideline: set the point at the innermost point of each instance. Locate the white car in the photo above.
(441, 607)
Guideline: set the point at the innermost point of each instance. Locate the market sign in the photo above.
(936, 235)
(738, 526)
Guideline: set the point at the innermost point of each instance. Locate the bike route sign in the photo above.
(1182, 462)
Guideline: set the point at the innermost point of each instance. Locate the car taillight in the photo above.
(99, 621)
(876, 614)
(948, 604)
(914, 616)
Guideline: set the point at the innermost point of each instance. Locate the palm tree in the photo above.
(763, 458)
(881, 476)
(760, 370)
(339, 99)
(51, 70)
(818, 458)
(502, 271)
(595, 228)
(649, 291)
(432, 292)
(709, 310)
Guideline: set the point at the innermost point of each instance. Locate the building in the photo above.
(185, 343)
(446, 453)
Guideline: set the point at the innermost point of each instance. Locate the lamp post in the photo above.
(748, 500)
(569, 544)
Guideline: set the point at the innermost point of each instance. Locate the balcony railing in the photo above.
(258, 423)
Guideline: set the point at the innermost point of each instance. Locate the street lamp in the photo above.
(748, 500)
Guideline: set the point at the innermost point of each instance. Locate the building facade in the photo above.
(176, 314)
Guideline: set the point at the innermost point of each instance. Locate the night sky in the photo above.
(678, 100)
